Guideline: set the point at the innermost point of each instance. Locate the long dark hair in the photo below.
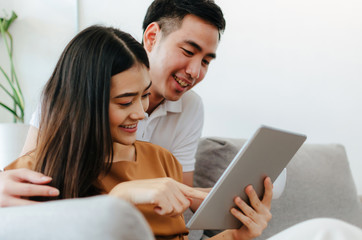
(74, 143)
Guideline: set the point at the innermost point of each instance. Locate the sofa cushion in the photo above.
(319, 182)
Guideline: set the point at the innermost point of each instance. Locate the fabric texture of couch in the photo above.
(319, 183)
(93, 218)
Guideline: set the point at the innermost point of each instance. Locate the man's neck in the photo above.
(154, 102)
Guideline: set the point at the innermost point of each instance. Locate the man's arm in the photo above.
(19, 183)
(195, 204)
(188, 178)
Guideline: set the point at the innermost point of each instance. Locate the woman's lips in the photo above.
(131, 128)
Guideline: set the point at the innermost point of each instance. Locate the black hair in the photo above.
(170, 13)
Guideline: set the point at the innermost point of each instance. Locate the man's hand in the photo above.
(255, 217)
(17, 184)
(170, 197)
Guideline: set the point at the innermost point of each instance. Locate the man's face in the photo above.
(180, 60)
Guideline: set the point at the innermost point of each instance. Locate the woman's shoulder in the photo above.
(150, 148)
(150, 151)
(25, 161)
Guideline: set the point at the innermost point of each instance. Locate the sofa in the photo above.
(319, 184)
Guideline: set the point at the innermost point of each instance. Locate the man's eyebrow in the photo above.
(199, 48)
(131, 94)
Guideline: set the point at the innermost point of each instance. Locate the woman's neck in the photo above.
(124, 152)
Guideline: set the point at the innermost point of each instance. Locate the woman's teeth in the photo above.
(182, 83)
(129, 126)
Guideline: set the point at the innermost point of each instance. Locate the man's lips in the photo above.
(183, 83)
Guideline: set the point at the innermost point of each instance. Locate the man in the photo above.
(180, 38)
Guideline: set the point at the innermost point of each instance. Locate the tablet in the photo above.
(267, 153)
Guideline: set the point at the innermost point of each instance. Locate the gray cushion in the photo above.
(319, 182)
(93, 218)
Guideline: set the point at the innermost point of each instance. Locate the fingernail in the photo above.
(54, 192)
(46, 178)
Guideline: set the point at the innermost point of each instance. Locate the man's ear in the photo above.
(150, 36)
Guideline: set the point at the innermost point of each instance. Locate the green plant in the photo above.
(17, 110)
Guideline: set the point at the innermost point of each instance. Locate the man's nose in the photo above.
(193, 70)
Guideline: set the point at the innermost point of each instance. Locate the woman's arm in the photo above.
(170, 197)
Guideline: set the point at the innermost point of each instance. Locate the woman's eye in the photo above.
(125, 104)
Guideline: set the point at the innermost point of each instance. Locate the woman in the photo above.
(87, 137)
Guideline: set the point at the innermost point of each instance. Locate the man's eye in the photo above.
(146, 95)
(205, 62)
(187, 52)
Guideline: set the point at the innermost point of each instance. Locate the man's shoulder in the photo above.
(191, 96)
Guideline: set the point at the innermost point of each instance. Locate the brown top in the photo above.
(148, 156)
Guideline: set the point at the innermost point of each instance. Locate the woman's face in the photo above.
(128, 103)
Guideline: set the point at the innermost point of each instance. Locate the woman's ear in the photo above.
(150, 36)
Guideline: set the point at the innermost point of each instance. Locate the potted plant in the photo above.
(12, 135)
(13, 90)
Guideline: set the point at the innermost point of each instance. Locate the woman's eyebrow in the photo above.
(132, 94)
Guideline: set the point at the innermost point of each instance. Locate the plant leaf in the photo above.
(7, 22)
(9, 109)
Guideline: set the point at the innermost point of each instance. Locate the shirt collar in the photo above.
(166, 106)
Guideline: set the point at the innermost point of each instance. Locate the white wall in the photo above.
(40, 33)
(295, 65)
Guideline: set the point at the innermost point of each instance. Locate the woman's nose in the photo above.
(138, 112)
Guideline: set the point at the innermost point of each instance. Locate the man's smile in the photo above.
(181, 82)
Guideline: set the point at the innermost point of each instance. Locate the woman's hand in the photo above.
(170, 197)
(19, 183)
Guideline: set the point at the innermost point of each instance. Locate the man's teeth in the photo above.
(129, 126)
(182, 83)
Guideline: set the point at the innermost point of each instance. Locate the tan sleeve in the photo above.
(26, 161)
